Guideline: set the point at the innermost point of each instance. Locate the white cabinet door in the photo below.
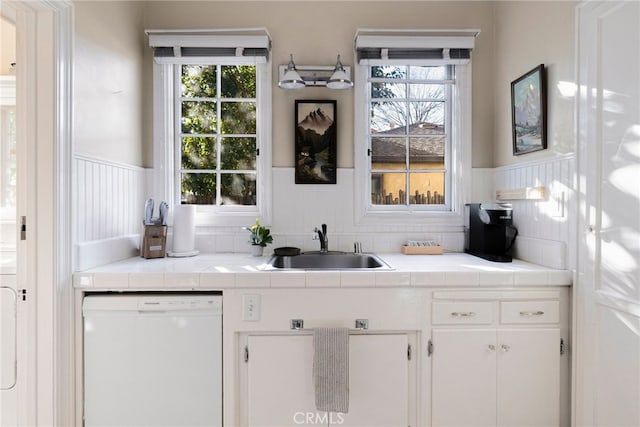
(528, 377)
(463, 377)
(487, 377)
(378, 381)
(280, 382)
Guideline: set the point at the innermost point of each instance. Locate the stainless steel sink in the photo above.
(332, 260)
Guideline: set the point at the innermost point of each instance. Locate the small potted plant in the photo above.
(259, 238)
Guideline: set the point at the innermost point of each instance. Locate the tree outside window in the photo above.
(217, 131)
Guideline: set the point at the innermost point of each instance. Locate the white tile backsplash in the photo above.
(108, 200)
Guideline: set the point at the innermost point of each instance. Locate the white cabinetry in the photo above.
(280, 381)
(496, 360)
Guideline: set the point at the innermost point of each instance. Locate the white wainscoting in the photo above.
(544, 226)
(107, 209)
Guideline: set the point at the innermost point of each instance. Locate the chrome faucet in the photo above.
(322, 236)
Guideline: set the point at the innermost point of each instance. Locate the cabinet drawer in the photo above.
(529, 312)
(467, 313)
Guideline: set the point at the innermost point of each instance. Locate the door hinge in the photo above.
(409, 352)
(369, 152)
(257, 151)
(22, 294)
(246, 353)
(23, 228)
(429, 348)
(562, 349)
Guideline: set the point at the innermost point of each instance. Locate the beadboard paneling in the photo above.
(108, 200)
(107, 204)
(543, 225)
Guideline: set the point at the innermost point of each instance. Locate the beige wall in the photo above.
(315, 32)
(7, 45)
(528, 34)
(108, 87)
(113, 92)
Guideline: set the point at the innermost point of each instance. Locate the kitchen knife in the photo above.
(164, 208)
(148, 212)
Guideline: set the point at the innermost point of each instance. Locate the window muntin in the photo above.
(409, 136)
(217, 134)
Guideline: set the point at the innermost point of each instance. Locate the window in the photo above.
(413, 120)
(409, 134)
(212, 126)
(217, 135)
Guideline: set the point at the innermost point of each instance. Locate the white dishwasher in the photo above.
(152, 360)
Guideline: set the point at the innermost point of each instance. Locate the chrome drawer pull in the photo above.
(531, 313)
(463, 314)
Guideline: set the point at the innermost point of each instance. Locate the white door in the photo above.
(463, 375)
(8, 209)
(608, 287)
(280, 382)
(528, 377)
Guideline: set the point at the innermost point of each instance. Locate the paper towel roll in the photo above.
(184, 231)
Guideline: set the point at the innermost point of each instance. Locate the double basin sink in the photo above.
(332, 260)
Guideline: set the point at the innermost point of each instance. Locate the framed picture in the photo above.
(529, 111)
(315, 142)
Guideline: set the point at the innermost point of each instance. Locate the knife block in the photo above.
(154, 241)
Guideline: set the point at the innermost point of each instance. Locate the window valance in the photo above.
(174, 46)
(453, 47)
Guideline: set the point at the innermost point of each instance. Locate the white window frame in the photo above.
(166, 113)
(459, 168)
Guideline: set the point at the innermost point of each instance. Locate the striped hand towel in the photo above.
(331, 369)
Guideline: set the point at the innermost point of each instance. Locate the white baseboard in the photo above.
(100, 252)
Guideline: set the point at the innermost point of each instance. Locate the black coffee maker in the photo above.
(488, 231)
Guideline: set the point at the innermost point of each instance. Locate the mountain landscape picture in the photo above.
(315, 142)
(528, 106)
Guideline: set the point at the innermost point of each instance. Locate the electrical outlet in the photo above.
(251, 307)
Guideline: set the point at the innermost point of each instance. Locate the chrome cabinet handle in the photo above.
(463, 314)
(504, 348)
(531, 313)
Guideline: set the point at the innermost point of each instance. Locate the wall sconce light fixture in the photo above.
(297, 77)
(290, 79)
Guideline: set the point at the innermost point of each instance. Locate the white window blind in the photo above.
(450, 47)
(176, 46)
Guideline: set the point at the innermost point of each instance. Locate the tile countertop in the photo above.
(224, 271)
